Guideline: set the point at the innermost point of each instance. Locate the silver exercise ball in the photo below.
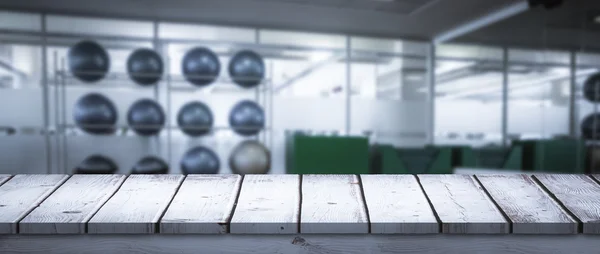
(250, 157)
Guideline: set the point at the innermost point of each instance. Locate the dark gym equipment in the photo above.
(195, 119)
(146, 117)
(247, 68)
(96, 164)
(150, 165)
(200, 160)
(145, 67)
(590, 127)
(88, 61)
(591, 88)
(250, 157)
(247, 118)
(96, 114)
(200, 66)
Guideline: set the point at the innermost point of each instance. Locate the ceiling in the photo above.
(569, 26)
(413, 19)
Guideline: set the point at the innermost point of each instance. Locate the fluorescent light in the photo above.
(597, 19)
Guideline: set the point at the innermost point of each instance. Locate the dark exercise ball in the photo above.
(591, 88)
(88, 61)
(590, 127)
(195, 119)
(150, 165)
(247, 68)
(200, 66)
(247, 118)
(96, 164)
(146, 117)
(95, 114)
(250, 157)
(200, 160)
(145, 67)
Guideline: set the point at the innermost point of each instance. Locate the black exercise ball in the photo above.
(200, 160)
(88, 61)
(150, 165)
(96, 114)
(146, 117)
(247, 118)
(590, 127)
(250, 157)
(145, 66)
(200, 66)
(591, 88)
(247, 68)
(195, 119)
(96, 164)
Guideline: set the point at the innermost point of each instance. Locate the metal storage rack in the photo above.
(64, 79)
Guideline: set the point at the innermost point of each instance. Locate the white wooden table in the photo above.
(300, 214)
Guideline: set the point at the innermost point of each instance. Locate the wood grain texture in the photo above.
(203, 205)
(397, 205)
(4, 178)
(268, 204)
(529, 208)
(21, 194)
(304, 244)
(332, 204)
(579, 194)
(462, 205)
(137, 206)
(72, 205)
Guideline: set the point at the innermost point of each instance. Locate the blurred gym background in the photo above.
(362, 86)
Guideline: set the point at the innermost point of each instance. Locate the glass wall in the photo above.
(538, 93)
(389, 91)
(323, 84)
(468, 95)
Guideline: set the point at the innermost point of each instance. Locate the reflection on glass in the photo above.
(468, 93)
(538, 106)
(389, 91)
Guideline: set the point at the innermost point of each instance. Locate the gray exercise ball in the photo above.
(250, 157)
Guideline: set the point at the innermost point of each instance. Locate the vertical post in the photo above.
(572, 88)
(45, 98)
(431, 93)
(504, 119)
(347, 89)
(168, 87)
(157, 47)
(261, 136)
(57, 125)
(65, 152)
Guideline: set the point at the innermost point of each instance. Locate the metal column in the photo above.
(572, 89)
(504, 119)
(45, 96)
(348, 92)
(431, 93)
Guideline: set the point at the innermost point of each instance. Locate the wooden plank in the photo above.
(397, 205)
(579, 194)
(301, 244)
(203, 205)
(72, 205)
(332, 204)
(4, 178)
(462, 205)
(268, 204)
(137, 206)
(21, 194)
(529, 208)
